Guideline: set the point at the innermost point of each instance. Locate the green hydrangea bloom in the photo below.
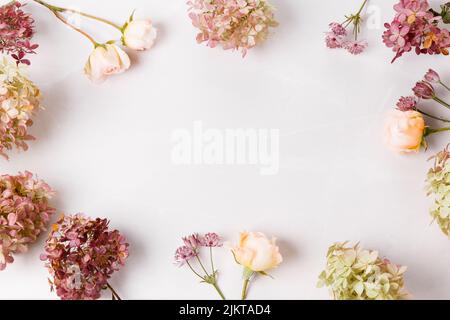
(439, 187)
(356, 274)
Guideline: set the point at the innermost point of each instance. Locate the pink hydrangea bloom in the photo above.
(16, 31)
(81, 254)
(19, 100)
(407, 103)
(24, 213)
(233, 24)
(415, 26)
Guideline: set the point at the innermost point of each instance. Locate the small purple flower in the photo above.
(193, 241)
(407, 103)
(432, 76)
(424, 90)
(212, 240)
(183, 255)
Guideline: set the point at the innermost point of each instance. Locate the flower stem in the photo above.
(195, 272)
(83, 14)
(444, 85)
(219, 291)
(434, 131)
(113, 291)
(201, 265)
(245, 289)
(57, 12)
(445, 104)
(212, 261)
(431, 116)
(362, 7)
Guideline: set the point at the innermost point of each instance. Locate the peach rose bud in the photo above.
(257, 253)
(404, 131)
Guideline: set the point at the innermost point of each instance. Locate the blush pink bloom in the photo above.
(24, 213)
(183, 255)
(233, 24)
(424, 90)
(333, 41)
(337, 29)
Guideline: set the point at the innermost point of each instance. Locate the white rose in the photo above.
(139, 35)
(106, 60)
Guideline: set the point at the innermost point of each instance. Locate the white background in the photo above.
(107, 151)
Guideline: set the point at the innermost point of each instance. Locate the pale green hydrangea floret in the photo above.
(356, 274)
(439, 187)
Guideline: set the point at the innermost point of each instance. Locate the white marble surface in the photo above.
(107, 151)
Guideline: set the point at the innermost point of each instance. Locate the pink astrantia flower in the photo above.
(212, 240)
(338, 37)
(24, 213)
(16, 31)
(81, 255)
(416, 26)
(424, 90)
(233, 24)
(355, 47)
(407, 103)
(183, 255)
(432, 76)
(189, 254)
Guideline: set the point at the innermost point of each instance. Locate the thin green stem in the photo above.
(201, 265)
(219, 291)
(212, 260)
(362, 7)
(56, 11)
(83, 14)
(431, 116)
(444, 85)
(445, 104)
(113, 291)
(434, 131)
(245, 289)
(195, 272)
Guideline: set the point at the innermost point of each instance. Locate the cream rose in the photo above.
(106, 60)
(404, 131)
(139, 35)
(256, 252)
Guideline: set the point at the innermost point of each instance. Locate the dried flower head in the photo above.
(19, 99)
(415, 26)
(356, 274)
(16, 31)
(234, 24)
(438, 186)
(81, 254)
(407, 103)
(24, 213)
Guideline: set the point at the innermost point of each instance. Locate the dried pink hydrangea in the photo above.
(24, 213)
(416, 26)
(233, 24)
(19, 100)
(16, 31)
(81, 254)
